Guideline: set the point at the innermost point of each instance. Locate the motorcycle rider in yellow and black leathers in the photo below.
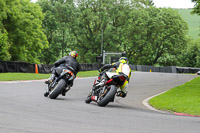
(121, 67)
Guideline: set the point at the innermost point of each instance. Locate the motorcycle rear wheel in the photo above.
(108, 97)
(58, 89)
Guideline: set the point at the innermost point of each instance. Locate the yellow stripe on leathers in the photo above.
(125, 83)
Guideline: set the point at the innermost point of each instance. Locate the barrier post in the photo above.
(36, 69)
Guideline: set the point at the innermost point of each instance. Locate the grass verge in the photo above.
(184, 98)
(33, 76)
(88, 73)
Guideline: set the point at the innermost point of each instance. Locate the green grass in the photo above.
(22, 76)
(184, 98)
(193, 22)
(88, 73)
(33, 76)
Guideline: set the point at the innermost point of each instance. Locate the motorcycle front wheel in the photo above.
(58, 89)
(108, 96)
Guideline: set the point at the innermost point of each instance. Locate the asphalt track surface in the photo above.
(24, 109)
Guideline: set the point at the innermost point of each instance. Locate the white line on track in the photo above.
(145, 102)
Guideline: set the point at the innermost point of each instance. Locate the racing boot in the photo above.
(50, 80)
(121, 94)
(46, 94)
(71, 84)
(65, 90)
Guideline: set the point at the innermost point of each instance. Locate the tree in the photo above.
(4, 45)
(23, 26)
(190, 57)
(92, 20)
(59, 19)
(167, 36)
(147, 34)
(196, 8)
(161, 35)
(135, 34)
(109, 16)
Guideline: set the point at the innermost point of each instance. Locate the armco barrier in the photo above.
(145, 68)
(187, 70)
(9, 66)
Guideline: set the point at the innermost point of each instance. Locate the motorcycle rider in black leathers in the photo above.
(67, 62)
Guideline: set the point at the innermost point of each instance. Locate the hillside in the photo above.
(193, 22)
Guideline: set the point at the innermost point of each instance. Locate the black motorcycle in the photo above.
(105, 88)
(60, 84)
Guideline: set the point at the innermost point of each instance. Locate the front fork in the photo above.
(103, 91)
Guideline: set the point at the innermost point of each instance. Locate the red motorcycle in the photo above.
(105, 88)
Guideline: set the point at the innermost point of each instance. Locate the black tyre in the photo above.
(58, 89)
(106, 98)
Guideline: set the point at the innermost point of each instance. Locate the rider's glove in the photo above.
(100, 70)
(121, 94)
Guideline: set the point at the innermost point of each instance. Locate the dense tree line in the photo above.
(47, 30)
(21, 34)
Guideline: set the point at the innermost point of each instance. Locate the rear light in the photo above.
(71, 73)
(122, 78)
(68, 71)
(109, 81)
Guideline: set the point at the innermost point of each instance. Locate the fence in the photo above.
(22, 67)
